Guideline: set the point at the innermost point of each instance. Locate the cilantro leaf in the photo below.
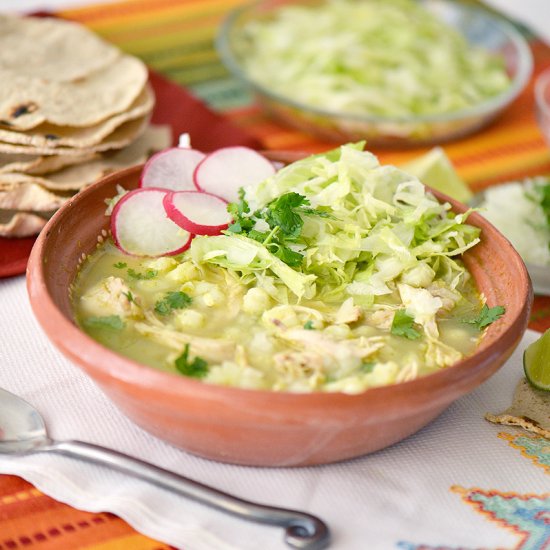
(486, 316)
(113, 322)
(367, 366)
(149, 274)
(291, 258)
(308, 325)
(120, 265)
(198, 368)
(173, 300)
(129, 296)
(402, 325)
(259, 236)
(281, 213)
(241, 222)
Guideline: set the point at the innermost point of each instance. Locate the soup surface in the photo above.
(338, 275)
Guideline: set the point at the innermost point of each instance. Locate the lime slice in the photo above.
(436, 170)
(536, 362)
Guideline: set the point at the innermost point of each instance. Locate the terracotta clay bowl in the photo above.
(260, 427)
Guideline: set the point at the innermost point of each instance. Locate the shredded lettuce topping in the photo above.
(391, 58)
(339, 224)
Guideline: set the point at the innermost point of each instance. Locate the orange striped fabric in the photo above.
(175, 37)
(31, 520)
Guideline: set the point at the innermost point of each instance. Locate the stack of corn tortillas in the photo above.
(72, 109)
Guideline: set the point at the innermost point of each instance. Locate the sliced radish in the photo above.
(198, 212)
(172, 169)
(226, 170)
(140, 226)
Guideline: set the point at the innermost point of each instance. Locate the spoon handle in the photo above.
(302, 531)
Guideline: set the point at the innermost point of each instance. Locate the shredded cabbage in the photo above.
(379, 227)
(391, 58)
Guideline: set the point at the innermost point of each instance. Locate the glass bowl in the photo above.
(542, 101)
(480, 27)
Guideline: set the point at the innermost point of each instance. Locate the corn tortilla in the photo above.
(40, 164)
(20, 224)
(122, 136)
(30, 196)
(530, 410)
(26, 101)
(52, 136)
(74, 178)
(51, 49)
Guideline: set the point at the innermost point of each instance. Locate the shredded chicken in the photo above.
(211, 349)
(348, 313)
(331, 349)
(112, 297)
(439, 354)
(449, 298)
(382, 319)
(299, 364)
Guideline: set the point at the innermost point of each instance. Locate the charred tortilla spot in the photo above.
(5, 123)
(51, 136)
(24, 109)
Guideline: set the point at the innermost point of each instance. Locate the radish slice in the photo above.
(171, 169)
(197, 212)
(226, 170)
(140, 226)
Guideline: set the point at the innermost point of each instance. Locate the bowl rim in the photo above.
(81, 349)
(492, 105)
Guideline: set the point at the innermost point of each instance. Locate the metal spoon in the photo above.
(22, 431)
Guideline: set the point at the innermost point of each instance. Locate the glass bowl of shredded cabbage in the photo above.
(399, 72)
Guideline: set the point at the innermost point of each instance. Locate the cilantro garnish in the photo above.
(129, 296)
(287, 255)
(172, 300)
(402, 325)
(148, 274)
(113, 322)
(308, 325)
(283, 215)
(367, 366)
(486, 316)
(120, 265)
(241, 223)
(198, 368)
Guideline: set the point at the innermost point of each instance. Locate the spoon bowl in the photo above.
(22, 428)
(23, 431)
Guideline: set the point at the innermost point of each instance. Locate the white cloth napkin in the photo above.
(396, 498)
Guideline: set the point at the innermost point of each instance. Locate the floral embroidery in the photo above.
(533, 447)
(526, 515)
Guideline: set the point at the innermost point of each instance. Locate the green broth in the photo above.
(253, 332)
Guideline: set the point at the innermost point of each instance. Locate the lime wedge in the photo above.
(536, 362)
(436, 170)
